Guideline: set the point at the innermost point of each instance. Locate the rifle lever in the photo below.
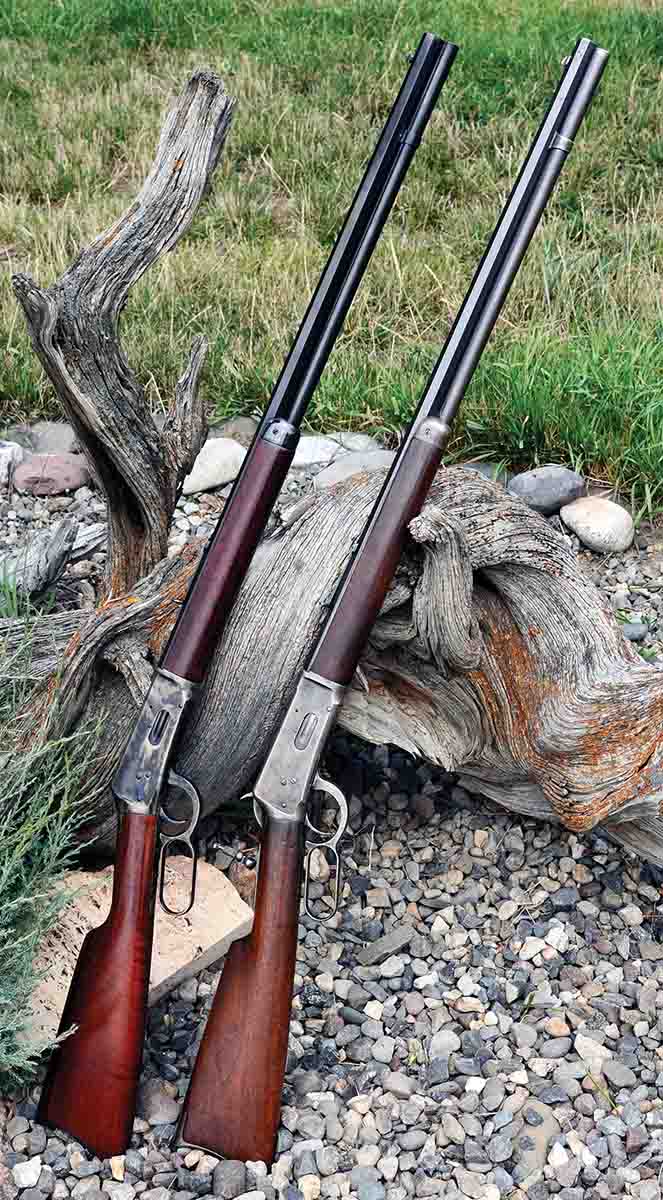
(330, 845)
(182, 837)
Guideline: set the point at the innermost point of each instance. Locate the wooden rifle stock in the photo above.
(107, 999)
(242, 1056)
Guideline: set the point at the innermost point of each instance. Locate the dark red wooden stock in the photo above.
(226, 562)
(241, 1062)
(81, 1094)
(354, 613)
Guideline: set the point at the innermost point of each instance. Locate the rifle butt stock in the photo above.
(242, 1057)
(106, 1001)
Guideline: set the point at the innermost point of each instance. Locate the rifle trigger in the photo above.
(330, 846)
(182, 838)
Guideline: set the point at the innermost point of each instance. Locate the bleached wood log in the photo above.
(74, 329)
(40, 562)
(494, 656)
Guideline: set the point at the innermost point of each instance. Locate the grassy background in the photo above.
(575, 368)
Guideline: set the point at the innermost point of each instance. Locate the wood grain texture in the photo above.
(90, 1087)
(234, 1101)
(74, 329)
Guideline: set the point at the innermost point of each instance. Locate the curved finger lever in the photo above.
(330, 845)
(182, 838)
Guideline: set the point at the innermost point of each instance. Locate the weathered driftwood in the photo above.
(36, 565)
(494, 656)
(73, 325)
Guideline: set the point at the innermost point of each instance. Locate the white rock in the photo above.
(439, 927)
(219, 462)
(591, 1053)
(388, 1168)
(475, 1084)
(374, 1009)
(312, 450)
(580, 1149)
(531, 947)
(319, 868)
(393, 967)
(507, 910)
(367, 1156)
(11, 454)
(309, 1186)
(118, 1191)
(558, 1156)
(355, 441)
(117, 1167)
(425, 981)
(443, 1043)
(383, 1049)
(631, 915)
(26, 1174)
(282, 1172)
(558, 938)
(600, 524)
(352, 464)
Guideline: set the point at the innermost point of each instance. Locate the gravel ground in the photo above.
(482, 1019)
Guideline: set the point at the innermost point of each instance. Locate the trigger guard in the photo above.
(165, 816)
(186, 826)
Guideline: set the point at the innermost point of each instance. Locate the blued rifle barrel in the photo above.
(234, 1099)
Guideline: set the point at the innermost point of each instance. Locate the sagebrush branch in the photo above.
(74, 329)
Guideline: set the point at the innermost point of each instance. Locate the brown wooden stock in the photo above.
(233, 1105)
(363, 591)
(226, 561)
(90, 1087)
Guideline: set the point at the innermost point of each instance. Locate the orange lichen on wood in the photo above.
(173, 596)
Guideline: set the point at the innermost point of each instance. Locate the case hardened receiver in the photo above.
(142, 774)
(284, 783)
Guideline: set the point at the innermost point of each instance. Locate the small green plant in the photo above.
(15, 603)
(10, 603)
(40, 810)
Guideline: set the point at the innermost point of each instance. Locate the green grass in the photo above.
(574, 369)
(39, 812)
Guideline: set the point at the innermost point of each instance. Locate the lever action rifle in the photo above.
(234, 1099)
(108, 993)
